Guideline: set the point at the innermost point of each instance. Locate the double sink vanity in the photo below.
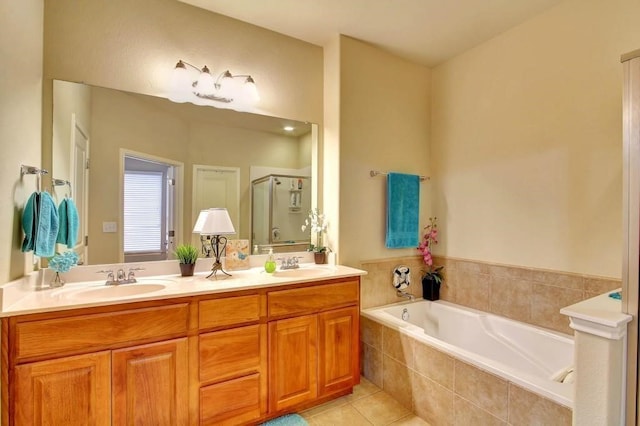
(179, 350)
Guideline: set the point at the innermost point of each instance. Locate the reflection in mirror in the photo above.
(216, 153)
(280, 204)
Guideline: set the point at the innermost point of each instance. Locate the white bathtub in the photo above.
(532, 357)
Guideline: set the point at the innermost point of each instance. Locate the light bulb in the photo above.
(226, 85)
(251, 91)
(205, 84)
(180, 83)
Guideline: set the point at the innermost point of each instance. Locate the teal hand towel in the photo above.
(30, 222)
(69, 224)
(47, 226)
(403, 210)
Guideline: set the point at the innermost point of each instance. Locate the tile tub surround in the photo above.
(444, 390)
(534, 296)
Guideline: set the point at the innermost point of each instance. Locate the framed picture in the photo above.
(237, 257)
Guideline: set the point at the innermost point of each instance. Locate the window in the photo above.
(143, 211)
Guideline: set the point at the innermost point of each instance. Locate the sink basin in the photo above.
(302, 272)
(113, 291)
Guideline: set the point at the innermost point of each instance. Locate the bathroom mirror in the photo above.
(199, 157)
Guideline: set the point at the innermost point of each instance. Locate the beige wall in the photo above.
(526, 141)
(134, 46)
(384, 125)
(20, 118)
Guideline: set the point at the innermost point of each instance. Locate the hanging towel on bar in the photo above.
(68, 217)
(47, 228)
(403, 210)
(30, 222)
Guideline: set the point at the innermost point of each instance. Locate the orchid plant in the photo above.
(429, 239)
(317, 224)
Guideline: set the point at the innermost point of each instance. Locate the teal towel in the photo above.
(69, 224)
(30, 222)
(287, 420)
(403, 210)
(47, 227)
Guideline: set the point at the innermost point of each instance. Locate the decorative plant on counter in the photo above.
(317, 224)
(187, 256)
(432, 276)
(62, 262)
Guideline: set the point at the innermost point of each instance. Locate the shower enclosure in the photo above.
(279, 206)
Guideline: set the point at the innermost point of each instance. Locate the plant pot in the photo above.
(186, 269)
(430, 288)
(320, 258)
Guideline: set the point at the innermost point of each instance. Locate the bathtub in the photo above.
(531, 357)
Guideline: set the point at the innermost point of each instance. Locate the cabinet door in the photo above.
(293, 361)
(66, 391)
(150, 384)
(338, 350)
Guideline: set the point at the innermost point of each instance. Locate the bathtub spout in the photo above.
(402, 293)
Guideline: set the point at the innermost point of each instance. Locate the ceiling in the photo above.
(424, 31)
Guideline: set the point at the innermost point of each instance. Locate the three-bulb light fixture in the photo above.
(198, 86)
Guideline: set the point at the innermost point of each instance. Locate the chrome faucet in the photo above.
(402, 293)
(289, 263)
(120, 277)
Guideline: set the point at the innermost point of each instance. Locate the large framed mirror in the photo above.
(140, 168)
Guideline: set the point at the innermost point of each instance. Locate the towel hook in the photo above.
(31, 170)
(60, 182)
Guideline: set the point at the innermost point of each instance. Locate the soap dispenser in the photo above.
(270, 264)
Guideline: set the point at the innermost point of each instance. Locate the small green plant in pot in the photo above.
(187, 256)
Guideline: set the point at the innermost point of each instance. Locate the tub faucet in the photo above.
(402, 293)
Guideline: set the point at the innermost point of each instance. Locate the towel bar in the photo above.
(374, 173)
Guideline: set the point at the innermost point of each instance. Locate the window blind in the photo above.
(142, 211)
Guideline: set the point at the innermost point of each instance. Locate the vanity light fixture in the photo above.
(214, 225)
(191, 84)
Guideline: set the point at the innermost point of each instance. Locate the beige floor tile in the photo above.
(336, 403)
(345, 415)
(410, 420)
(365, 388)
(380, 408)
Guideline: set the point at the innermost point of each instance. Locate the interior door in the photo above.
(216, 187)
(80, 186)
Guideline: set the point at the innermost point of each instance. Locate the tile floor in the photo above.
(367, 405)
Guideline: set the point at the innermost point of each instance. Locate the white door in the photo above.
(80, 186)
(216, 187)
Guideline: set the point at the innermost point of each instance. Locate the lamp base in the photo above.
(217, 266)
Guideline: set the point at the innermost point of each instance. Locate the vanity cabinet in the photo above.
(104, 376)
(213, 359)
(71, 390)
(313, 343)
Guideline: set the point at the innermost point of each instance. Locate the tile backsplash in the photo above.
(530, 295)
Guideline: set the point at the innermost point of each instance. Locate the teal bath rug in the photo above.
(287, 420)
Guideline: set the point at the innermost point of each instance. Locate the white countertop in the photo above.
(23, 297)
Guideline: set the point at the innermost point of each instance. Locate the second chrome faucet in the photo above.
(120, 277)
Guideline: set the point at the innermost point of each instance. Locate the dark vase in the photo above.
(320, 257)
(186, 269)
(430, 288)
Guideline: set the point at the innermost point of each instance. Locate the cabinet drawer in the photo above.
(93, 332)
(229, 311)
(312, 299)
(232, 402)
(231, 353)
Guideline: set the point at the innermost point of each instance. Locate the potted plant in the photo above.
(187, 256)
(431, 276)
(318, 226)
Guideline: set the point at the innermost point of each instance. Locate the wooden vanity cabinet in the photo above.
(103, 376)
(313, 343)
(215, 359)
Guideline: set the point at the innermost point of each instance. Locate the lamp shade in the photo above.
(202, 217)
(217, 222)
